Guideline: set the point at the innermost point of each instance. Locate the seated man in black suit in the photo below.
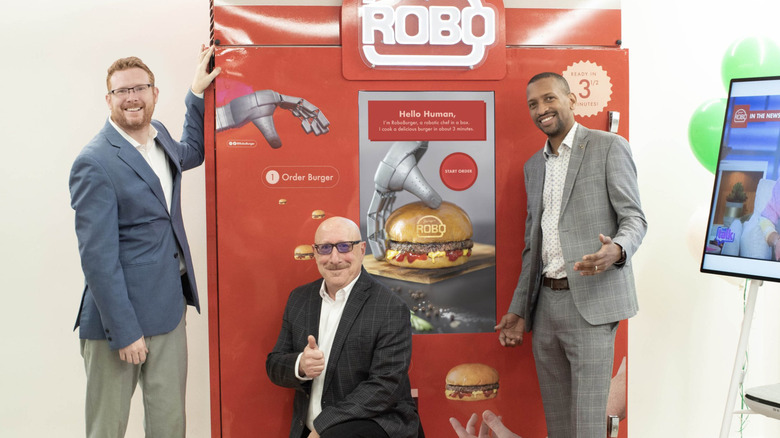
(345, 347)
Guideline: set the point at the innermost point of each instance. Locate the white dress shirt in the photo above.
(330, 316)
(556, 167)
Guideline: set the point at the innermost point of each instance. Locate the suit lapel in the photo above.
(170, 152)
(134, 159)
(357, 298)
(575, 161)
(536, 184)
(314, 307)
(175, 164)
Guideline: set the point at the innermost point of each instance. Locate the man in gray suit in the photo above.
(584, 223)
(125, 188)
(345, 347)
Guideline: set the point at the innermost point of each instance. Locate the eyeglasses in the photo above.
(125, 91)
(342, 247)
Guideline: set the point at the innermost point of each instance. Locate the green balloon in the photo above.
(704, 132)
(750, 57)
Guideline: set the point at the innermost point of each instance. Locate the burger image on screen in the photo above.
(429, 238)
(471, 382)
(304, 252)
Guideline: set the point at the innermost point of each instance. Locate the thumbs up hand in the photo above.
(312, 361)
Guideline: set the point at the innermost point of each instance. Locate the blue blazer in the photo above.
(128, 240)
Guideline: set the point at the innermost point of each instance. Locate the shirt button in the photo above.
(176, 256)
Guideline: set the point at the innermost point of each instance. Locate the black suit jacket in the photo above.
(367, 373)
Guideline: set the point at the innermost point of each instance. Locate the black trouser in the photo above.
(352, 429)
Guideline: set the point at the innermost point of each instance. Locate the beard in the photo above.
(557, 128)
(118, 115)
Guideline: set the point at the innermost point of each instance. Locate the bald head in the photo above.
(338, 269)
(339, 224)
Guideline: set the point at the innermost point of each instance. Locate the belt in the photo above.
(556, 283)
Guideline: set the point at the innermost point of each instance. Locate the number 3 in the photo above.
(586, 84)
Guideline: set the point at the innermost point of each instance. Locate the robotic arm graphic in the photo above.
(397, 171)
(259, 107)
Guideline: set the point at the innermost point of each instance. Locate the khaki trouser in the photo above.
(111, 383)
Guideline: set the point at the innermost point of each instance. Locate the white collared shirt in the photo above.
(556, 167)
(155, 157)
(330, 316)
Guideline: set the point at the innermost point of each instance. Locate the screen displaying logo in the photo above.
(723, 235)
(431, 33)
(739, 118)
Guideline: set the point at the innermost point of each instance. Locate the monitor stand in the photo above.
(737, 376)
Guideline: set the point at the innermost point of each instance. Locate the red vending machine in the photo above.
(324, 109)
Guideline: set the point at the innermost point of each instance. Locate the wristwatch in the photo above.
(622, 260)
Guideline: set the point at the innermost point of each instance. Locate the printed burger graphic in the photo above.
(422, 237)
(471, 382)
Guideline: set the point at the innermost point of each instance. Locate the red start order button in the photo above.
(458, 171)
(300, 177)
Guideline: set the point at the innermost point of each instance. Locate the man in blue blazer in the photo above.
(584, 223)
(345, 347)
(125, 189)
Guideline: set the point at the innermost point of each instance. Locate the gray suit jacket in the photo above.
(367, 373)
(600, 196)
(128, 240)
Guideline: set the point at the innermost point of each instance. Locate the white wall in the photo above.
(681, 345)
(683, 342)
(53, 85)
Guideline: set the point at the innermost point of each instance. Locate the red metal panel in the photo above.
(320, 25)
(562, 27)
(211, 260)
(251, 266)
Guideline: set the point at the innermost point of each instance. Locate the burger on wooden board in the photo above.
(428, 238)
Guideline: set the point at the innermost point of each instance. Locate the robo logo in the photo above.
(438, 29)
(430, 226)
(740, 116)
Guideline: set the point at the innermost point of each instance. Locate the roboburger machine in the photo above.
(362, 109)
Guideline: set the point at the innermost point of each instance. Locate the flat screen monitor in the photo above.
(745, 198)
